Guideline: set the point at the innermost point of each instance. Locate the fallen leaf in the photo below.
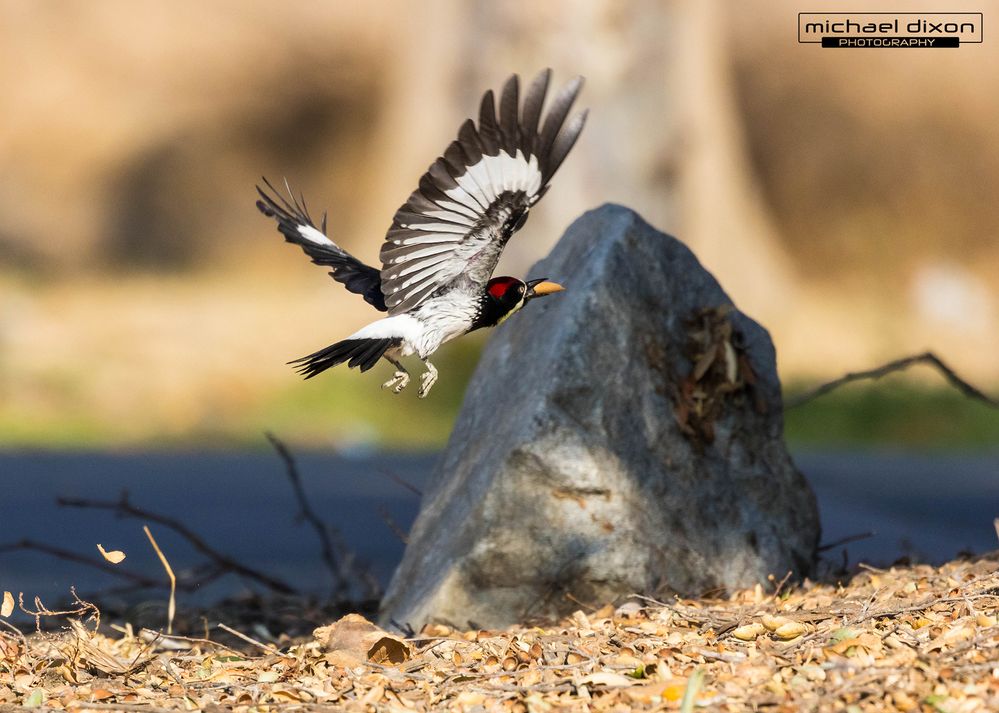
(704, 363)
(355, 638)
(390, 649)
(114, 556)
(749, 632)
(7, 608)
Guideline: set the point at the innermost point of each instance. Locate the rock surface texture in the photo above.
(624, 436)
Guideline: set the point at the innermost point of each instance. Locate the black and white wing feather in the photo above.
(295, 223)
(477, 194)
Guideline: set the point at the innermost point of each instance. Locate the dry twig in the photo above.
(59, 553)
(898, 365)
(340, 560)
(392, 524)
(845, 540)
(250, 640)
(41, 610)
(123, 506)
(399, 480)
(172, 604)
(337, 565)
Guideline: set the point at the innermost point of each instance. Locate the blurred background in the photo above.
(845, 199)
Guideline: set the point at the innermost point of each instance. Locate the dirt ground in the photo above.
(911, 638)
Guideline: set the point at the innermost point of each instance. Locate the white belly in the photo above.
(427, 327)
(443, 319)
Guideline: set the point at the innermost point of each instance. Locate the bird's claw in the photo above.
(427, 382)
(398, 382)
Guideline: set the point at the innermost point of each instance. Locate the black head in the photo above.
(505, 295)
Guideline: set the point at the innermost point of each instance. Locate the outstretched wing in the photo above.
(295, 224)
(478, 193)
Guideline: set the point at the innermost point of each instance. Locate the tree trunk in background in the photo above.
(674, 150)
(723, 216)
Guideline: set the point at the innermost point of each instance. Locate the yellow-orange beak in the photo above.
(538, 288)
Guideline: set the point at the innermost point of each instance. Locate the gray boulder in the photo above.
(622, 437)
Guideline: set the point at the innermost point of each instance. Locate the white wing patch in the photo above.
(451, 216)
(428, 238)
(508, 173)
(437, 228)
(423, 252)
(313, 235)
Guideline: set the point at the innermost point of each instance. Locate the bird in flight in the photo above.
(436, 279)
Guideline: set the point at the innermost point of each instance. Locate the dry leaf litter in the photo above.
(910, 638)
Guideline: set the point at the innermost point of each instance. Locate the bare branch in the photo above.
(898, 365)
(399, 480)
(249, 639)
(123, 506)
(845, 540)
(339, 576)
(59, 553)
(41, 610)
(393, 525)
(338, 558)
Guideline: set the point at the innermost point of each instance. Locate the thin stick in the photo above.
(250, 640)
(898, 365)
(780, 585)
(124, 707)
(20, 634)
(340, 577)
(192, 639)
(399, 480)
(393, 525)
(42, 610)
(172, 605)
(845, 540)
(124, 507)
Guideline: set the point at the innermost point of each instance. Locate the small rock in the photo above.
(625, 436)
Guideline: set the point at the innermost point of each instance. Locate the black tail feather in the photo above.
(358, 353)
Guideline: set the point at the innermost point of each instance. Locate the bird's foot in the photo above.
(427, 381)
(398, 382)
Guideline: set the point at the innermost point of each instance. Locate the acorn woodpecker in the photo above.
(438, 257)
